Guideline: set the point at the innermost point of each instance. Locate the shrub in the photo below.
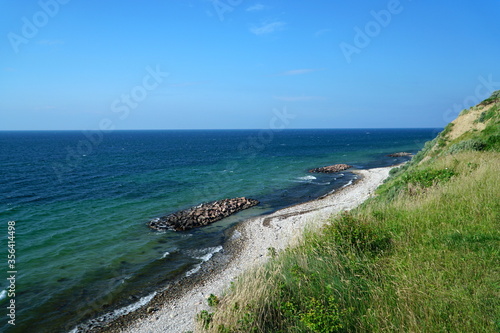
(424, 152)
(447, 129)
(467, 145)
(493, 143)
(322, 316)
(420, 178)
(394, 171)
(205, 318)
(487, 115)
(213, 300)
(495, 96)
(427, 177)
(351, 233)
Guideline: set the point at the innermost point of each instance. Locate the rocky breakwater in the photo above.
(202, 215)
(401, 154)
(332, 168)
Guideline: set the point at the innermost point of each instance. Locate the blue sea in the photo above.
(81, 202)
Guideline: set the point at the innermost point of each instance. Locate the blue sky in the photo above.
(180, 64)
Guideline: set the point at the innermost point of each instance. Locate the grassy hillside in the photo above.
(421, 256)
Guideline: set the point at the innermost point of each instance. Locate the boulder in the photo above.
(201, 215)
(332, 168)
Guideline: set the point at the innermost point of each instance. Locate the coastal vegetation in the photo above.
(422, 255)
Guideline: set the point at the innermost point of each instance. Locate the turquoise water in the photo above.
(81, 205)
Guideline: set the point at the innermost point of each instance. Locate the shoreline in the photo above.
(174, 308)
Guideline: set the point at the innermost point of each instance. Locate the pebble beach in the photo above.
(175, 308)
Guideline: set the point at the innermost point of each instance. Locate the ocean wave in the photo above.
(210, 251)
(348, 183)
(194, 270)
(3, 294)
(307, 178)
(114, 314)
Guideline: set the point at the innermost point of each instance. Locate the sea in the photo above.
(74, 207)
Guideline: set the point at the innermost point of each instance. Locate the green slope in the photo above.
(421, 256)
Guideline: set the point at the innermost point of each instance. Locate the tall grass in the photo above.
(443, 273)
(421, 261)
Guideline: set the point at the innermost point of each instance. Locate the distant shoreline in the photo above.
(174, 309)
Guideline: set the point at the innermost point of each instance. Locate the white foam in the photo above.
(307, 178)
(116, 313)
(166, 254)
(194, 270)
(348, 184)
(132, 307)
(210, 253)
(206, 257)
(3, 294)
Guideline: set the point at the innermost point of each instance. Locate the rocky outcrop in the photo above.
(332, 168)
(400, 154)
(201, 215)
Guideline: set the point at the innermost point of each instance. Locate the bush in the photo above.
(394, 171)
(495, 96)
(487, 115)
(493, 143)
(424, 152)
(407, 181)
(322, 315)
(446, 130)
(427, 177)
(467, 145)
(351, 233)
(205, 318)
(213, 300)
(464, 111)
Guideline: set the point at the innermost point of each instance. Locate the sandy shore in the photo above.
(251, 238)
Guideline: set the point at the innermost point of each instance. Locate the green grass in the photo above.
(486, 115)
(487, 139)
(422, 256)
(494, 98)
(415, 181)
(426, 262)
(443, 274)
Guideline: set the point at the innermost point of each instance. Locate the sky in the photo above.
(238, 64)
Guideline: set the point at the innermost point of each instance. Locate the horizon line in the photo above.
(210, 129)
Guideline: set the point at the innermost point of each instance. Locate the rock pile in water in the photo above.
(332, 168)
(202, 215)
(400, 154)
